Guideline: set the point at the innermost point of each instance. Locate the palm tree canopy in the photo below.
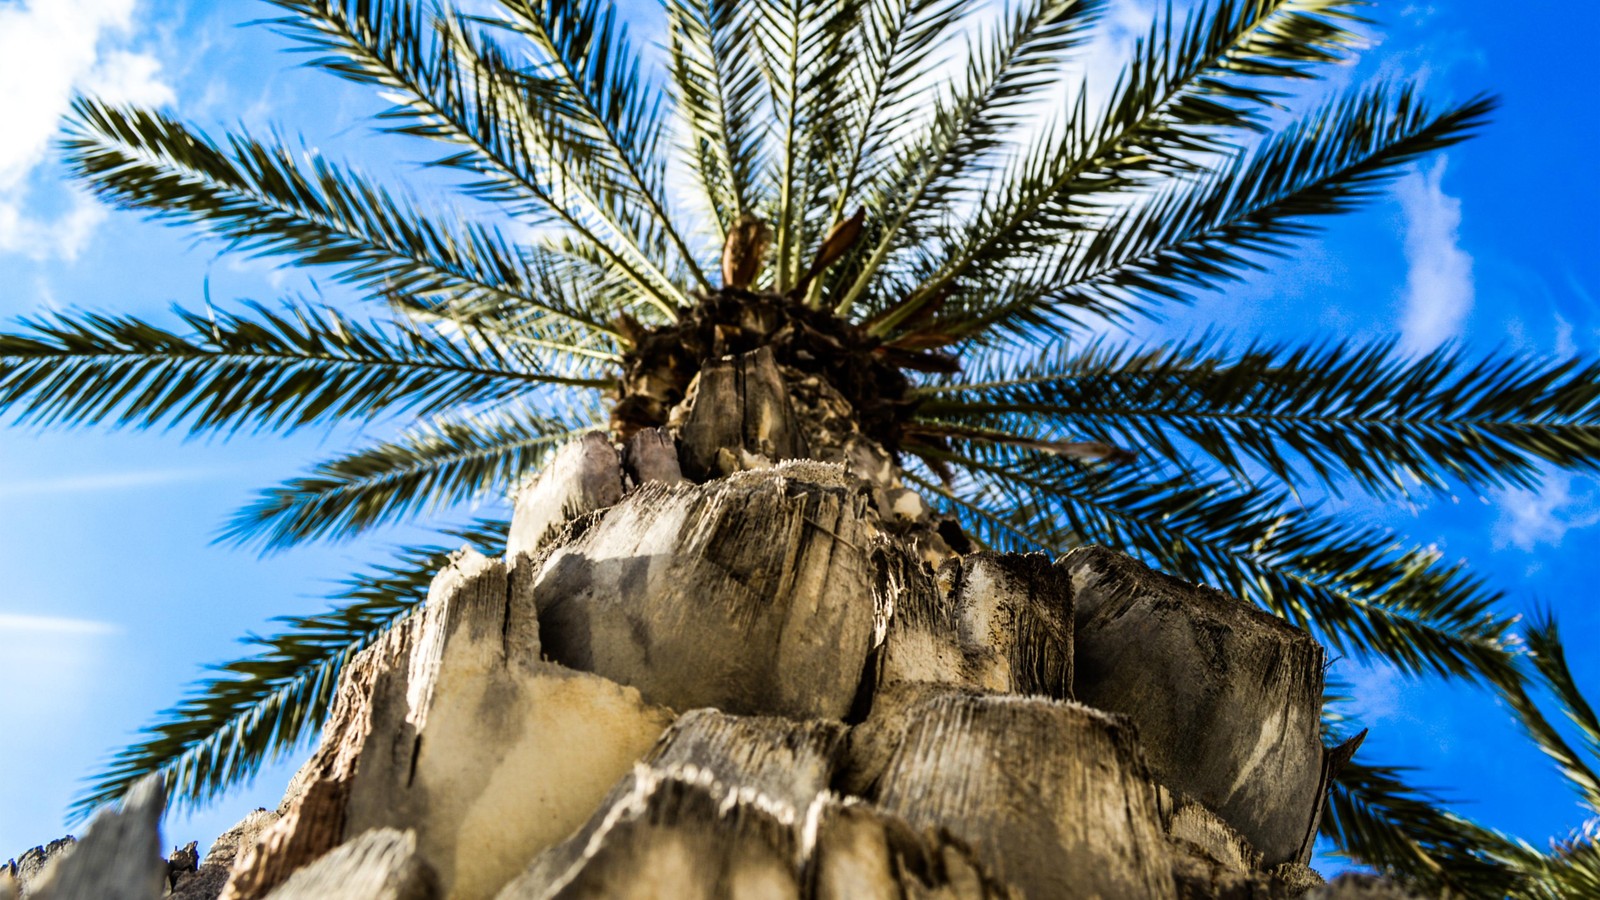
(918, 240)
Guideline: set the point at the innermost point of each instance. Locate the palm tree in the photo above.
(911, 241)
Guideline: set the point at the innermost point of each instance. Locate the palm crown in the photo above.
(915, 242)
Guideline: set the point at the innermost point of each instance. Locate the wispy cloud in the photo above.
(1565, 345)
(17, 624)
(1376, 692)
(125, 76)
(1544, 516)
(106, 481)
(1439, 288)
(49, 49)
(1418, 13)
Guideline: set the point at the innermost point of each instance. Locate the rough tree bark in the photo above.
(720, 662)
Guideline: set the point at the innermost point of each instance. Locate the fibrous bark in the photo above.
(1227, 698)
(776, 765)
(651, 454)
(1053, 796)
(753, 594)
(659, 370)
(730, 806)
(780, 759)
(208, 879)
(1212, 861)
(18, 875)
(861, 851)
(118, 858)
(381, 864)
(678, 834)
(455, 727)
(991, 622)
(741, 410)
(580, 478)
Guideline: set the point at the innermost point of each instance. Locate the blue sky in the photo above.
(113, 593)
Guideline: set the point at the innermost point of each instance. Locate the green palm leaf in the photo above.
(280, 369)
(898, 39)
(1549, 660)
(1178, 99)
(1202, 233)
(717, 76)
(807, 51)
(537, 339)
(265, 705)
(607, 98)
(461, 88)
(893, 42)
(265, 200)
(450, 459)
(1570, 871)
(967, 123)
(1366, 413)
(1376, 819)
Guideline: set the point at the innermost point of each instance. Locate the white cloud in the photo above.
(1418, 13)
(1377, 692)
(1565, 345)
(1545, 515)
(127, 77)
(48, 50)
(62, 237)
(19, 625)
(1439, 288)
(109, 481)
(49, 667)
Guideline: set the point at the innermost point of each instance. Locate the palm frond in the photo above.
(266, 200)
(897, 41)
(450, 459)
(999, 530)
(717, 76)
(459, 87)
(967, 122)
(588, 52)
(1200, 235)
(892, 43)
(1331, 412)
(1181, 97)
(1570, 871)
(806, 54)
(1548, 656)
(1223, 70)
(1375, 818)
(279, 369)
(265, 705)
(439, 94)
(1358, 589)
(576, 267)
(576, 277)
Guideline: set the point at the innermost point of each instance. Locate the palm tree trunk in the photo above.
(747, 682)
